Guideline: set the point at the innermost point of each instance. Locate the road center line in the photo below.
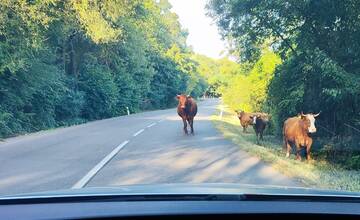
(150, 125)
(137, 133)
(83, 181)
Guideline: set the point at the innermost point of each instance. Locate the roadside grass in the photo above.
(314, 174)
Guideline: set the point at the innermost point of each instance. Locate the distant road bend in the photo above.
(144, 148)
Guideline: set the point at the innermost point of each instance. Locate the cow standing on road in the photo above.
(296, 131)
(245, 119)
(187, 110)
(260, 121)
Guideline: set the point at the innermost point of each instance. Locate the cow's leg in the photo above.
(244, 128)
(257, 137)
(185, 125)
(287, 147)
(298, 149)
(191, 122)
(308, 147)
(261, 136)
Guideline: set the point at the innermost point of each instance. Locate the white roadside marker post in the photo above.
(221, 111)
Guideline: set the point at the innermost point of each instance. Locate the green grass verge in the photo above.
(315, 174)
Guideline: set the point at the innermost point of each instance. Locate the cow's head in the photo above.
(309, 120)
(239, 113)
(263, 116)
(253, 119)
(182, 100)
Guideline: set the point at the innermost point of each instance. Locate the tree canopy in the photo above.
(317, 41)
(66, 62)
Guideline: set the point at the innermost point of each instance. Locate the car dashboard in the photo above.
(178, 206)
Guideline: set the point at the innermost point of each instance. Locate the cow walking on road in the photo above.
(296, 131)
(187, 110)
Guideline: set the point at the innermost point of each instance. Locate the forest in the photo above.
(68, 62)
(297, 56)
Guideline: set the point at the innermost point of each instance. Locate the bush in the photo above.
(70, 106)
(100, 92)
(339, 150)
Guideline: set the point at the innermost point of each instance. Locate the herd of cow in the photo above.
(259, 120)
(296, 129)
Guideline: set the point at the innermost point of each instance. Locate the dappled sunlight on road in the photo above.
(35, 181)
(164, 154)
(186, 165)
(174, 157)
(25, 178)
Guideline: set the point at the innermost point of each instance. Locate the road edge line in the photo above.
(83, 181)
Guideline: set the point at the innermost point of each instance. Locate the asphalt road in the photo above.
(143, 148)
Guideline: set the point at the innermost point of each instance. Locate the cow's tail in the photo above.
(284, 138)
(284, 144)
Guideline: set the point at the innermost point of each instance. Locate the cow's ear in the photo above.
(302, 115)
(189, 96)
(177, 96)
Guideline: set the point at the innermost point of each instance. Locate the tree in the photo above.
(317, 41)
(66, 62)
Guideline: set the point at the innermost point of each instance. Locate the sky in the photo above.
(203, 33)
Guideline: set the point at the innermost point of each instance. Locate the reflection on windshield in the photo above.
(112, 93)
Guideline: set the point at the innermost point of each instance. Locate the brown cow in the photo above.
(245, 119)
(296, 131)
(187, 110)
(260, 120)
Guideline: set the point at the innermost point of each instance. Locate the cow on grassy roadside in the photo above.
(260, 120)
(187, 110)
(296, 131)
(245, 119)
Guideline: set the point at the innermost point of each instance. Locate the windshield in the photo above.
(117, 92)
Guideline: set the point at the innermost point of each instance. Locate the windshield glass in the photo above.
(118, 92)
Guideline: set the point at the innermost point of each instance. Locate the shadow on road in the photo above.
(165, 155)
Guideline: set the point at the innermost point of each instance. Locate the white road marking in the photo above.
(83, 181)
(161, 120)
(137, 133)
(150, 125)
(221, 112)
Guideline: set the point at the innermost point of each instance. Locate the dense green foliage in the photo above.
(241, 86)
(318, 42)
(66, 62)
